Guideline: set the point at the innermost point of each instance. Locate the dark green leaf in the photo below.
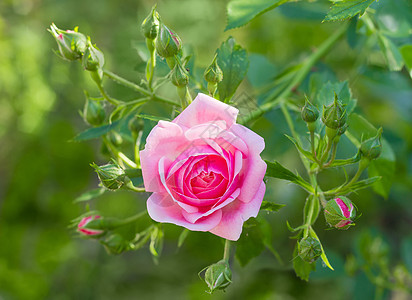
(347, 9)
(241, 12)
(270, 206)
(250, 243)
(89, 195)
(95, 132)
(392, 54)
(326, 95)
(406, 51)
(234, 62)
(276, 170)
(302, 268)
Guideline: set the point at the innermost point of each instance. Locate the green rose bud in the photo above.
(115, 138)
(309, 249)
(213, 73)
(71, 43)
(168, 43)
(93, 112)
(339, 212)
(111, 175)
(150, 25)
(179, 76)
(136, 125)
(372, 148)
(116, 244)
(334, 116)
(218, 276)
(309, 112)
(93, 58)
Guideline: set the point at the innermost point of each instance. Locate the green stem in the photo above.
(325, 154)
(131, 219)
(226, 253)
(363, 164)
(332, 159)
(120, 155)
(274, 99)
(107, 97)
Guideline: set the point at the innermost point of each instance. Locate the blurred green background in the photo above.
(41, 172)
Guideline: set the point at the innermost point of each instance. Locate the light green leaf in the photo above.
(392, 54)
(406, 51)
(276, 170)
(95, 132)
(241, 12)
(270, 206)
(347, 9)
(182, 237)
(323, 256)
(234, 62)
(89, 195)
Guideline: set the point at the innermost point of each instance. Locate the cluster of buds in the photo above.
(218, 276)
(334, 117)
(309, 249)
(340, 212)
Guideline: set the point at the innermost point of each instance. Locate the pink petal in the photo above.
(161, 208)
(236, 213)
(205, 109)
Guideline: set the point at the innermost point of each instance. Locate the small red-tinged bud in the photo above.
(309, 249)
(71, 43)
(150, 25)
(168, 43)
(82, 227)
(340, 212)
(218, 276)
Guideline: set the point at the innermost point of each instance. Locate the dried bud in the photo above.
(213, 73)
(339, 212)
(93, 58)
(309, 112)
(93, 112)
(83, 229)
(150, 25)
(168, 43)
(112, 176)
(334, 116)
(218, 276)
(179, 75)
(372, 148)
(309, 249)
(72, 44)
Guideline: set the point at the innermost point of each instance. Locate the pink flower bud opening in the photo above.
(87, 231)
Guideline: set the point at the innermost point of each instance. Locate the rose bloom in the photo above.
(205, 171)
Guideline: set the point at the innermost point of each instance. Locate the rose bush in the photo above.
(205, 171)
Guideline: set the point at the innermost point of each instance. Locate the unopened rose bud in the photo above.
(93, 58)
(112, 176)
(116, 244)
(150, 25)
(309, 112)
(115, 138)
(334, 116)
(136, 125)
(71, 43)
(218, 276)
(179, 75)
(372, 148)
(309, 249)
(168, 43)
(339, 212)
(213, 73)
(93, 112)
(82, 227)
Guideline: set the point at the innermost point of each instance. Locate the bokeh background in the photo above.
(42, 172)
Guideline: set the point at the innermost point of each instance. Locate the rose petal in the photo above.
(205, 109)
(161, 208)
(236, 213)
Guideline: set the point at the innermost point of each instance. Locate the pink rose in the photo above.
(81, 227)
(205, 171)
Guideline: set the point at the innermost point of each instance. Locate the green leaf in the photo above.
(250, 243)
(93, 133)
(384, 166)
(234, 62)
(270, 206)
(276, 170)
(306, 153)
(344, 162)
(406, 51)
(241, 12)
(406, 250)
(302, 268)
(392, 54)
(326, 95)
(89, 195)
(347, 9)
(182, 237)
